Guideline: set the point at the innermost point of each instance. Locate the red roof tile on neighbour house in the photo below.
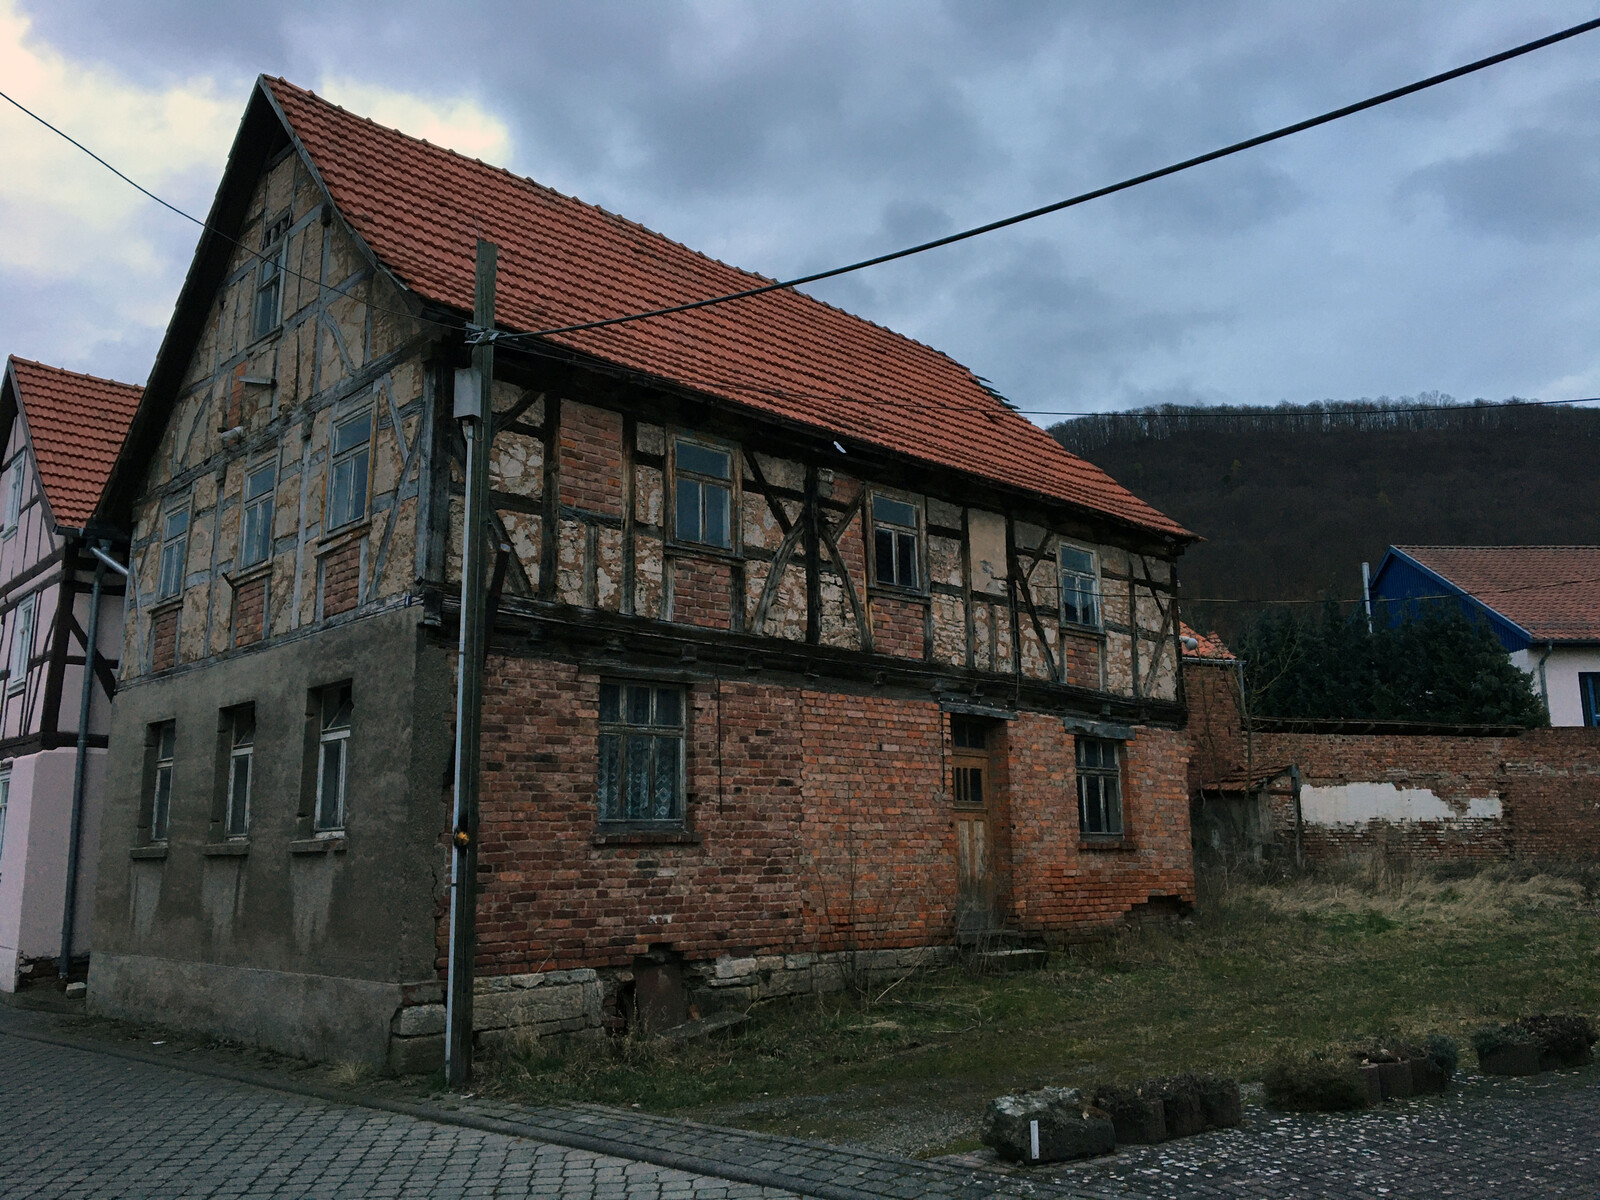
(76, 424)
(1206, 646)
(421, 209)
(1553, 592)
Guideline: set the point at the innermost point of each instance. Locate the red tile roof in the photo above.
(1206, 646)
(76, 424)
(1553, 592)
(421, 209)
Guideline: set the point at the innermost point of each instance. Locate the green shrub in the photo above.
(1562, 1034)
(1442, 1050)
(1489, 1038)
(1315, 1083)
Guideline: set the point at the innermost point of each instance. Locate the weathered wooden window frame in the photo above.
(266, 308)
(1093, 576)
(163, 757)
(622, 728)
(331, 733)
(731, 483)
(238, 720)
(920, 533)
(336, 460)
(1097, 773)
(249, 506)
(177, 544)
(23, 631)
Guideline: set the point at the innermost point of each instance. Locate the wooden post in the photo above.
(1299, 820)
(477, 416)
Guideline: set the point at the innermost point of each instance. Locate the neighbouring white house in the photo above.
(61, 432)
(1543, 603)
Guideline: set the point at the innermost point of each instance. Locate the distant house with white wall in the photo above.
(1543, 603)
(61, 432)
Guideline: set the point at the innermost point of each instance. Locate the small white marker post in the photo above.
(1033, 1139)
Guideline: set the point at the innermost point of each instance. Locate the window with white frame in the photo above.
(241, 769)
(335, 710)
(641, 753)
(174, 544)
(896, 534)
(702, 481)
(269, 277)
(1080, 586)
(163, 744)
(1099, 787)
(255, 525)
(5, 802)
(349, 457)
(22, 623)
(14, 481)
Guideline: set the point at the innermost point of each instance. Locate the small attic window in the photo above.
(269, 277)
(13, 485)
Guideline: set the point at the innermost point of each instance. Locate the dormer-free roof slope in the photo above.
(421, 210)
(1551, 592)
(76, 424)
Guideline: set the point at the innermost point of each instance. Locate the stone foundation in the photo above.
(548, 1004)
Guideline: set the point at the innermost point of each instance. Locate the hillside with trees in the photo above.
(1292, 499)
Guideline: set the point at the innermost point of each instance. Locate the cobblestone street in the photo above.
(1492, 1140)
(85, 1120)
(82, 1124)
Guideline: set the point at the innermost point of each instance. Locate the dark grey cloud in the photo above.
(1445, 242)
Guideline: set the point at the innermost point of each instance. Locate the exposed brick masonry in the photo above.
(164, 639)
(249, 611)
(591, 458)
(341, 578)
(820, 821)
(701, 593)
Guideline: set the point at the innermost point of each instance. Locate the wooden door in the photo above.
(971, 785)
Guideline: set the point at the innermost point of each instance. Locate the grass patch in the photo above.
(1262, 973)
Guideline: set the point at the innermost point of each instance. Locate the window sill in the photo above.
(1081, 628)
(148, 852)
(237, 579)
(893, 591)
(703, 550)
(166, 604)
(318, 845)
(1104, 844)
(645, 837)
(226, 849)
(336, 538)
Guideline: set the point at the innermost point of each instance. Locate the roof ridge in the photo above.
(43, 366)
(631, 223)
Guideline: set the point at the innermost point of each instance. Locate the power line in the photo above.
(209, 228)
(1084, 197)
(1503, 591)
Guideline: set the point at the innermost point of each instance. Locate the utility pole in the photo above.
(475, 411)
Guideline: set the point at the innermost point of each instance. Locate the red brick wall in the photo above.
(1546, 780)
(822, 822)
(702, 593)
(1082, 656)
(591, 458)
(897, 626)
(341, 579)
(249, 611)
(164, 639)
(1060, 883)
(1216, 736)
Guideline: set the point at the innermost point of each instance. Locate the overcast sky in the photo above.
(1447, 241)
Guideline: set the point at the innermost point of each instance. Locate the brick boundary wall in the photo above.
(1545, 783)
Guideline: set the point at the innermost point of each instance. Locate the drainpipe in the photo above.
(1366, 593)
(80, 768)
(1544, 685)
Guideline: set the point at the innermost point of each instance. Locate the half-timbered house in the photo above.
(62, 432)
(808, 650)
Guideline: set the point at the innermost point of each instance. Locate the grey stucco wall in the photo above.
(303, 952)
